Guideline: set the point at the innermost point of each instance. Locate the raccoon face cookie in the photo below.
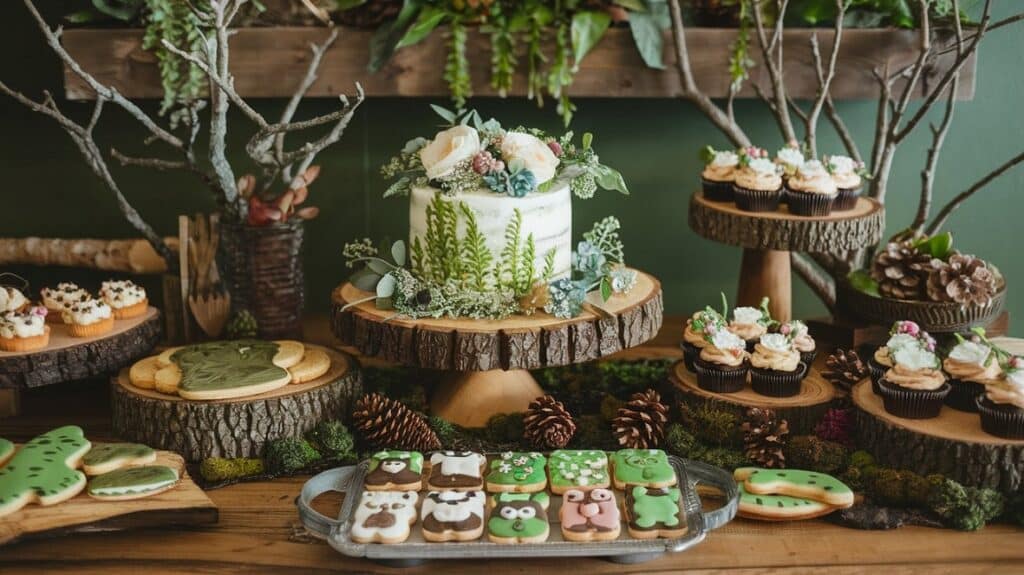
(395, 471)
(384, 517)
(519, 518)
(589, 515)
(456, 470)
(453, 515)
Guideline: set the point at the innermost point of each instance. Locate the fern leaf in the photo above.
(417, 258)
(476, 258)
(510, 253)
(549, 266)
(526, 267)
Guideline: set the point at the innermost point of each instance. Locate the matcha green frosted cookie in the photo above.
(132, 482)
(647, 467)
(779, 507)
(6, 450)
(228, 369)
(106, 457)
(577, 469)
(795, 483)
(519, 472)
(44, 470)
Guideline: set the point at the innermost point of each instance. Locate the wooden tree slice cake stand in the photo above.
(802, 411)
(768, 237)
(233, 427)
(952, 444)
(486, 360)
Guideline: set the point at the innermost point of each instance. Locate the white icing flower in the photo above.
(448, 149)
(915, 358)
(725, 159)
(746, 315)
(519, 461)
(535, 455)
(727, 340)
(790, 156)
(970, 352)
(528, 469)
(504, 468)
(811, 168)
(1015, 379)
(775, 342)
(900, 341)
(842, 164)
(763, 166)
(534, 154)
(506, 455)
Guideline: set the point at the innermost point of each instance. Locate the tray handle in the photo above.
(724, 482)
(336, 479)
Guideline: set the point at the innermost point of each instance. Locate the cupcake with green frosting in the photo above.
(811, 191)
(847, 176)
(719, 173)
(758, 186)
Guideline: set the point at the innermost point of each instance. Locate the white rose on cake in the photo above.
(449, 149)
(531, 152)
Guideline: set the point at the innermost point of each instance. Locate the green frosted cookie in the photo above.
(796, 483)
(226, 369)
(394, 470)
(648, 467)
(6, 450)
(133, 482)
(517, 471)
(106, 457)
(779, 507)
(519, 518)
(577, 469)
(43, 470)
(655, 512)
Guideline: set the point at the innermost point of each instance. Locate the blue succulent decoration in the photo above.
(597, 264)
(516, 183)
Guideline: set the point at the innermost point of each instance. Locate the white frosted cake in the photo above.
(547, 216)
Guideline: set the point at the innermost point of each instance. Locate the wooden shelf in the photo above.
(270, 62)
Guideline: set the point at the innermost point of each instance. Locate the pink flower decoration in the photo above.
(785, 329)
(556, 148)
(40, 311)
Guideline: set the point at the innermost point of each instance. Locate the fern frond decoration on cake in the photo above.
(476, 258)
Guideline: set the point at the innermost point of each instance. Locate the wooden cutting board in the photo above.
(186, 504)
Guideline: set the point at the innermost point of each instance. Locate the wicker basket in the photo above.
(263, 269)
(931, 316)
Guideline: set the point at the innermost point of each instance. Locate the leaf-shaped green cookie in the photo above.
(133, 482)
(43, 470)
(106, 457)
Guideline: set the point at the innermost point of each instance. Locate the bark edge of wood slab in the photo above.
(237, 427)
(518, 342)
(73, 359)
(952, 444)
(723, 222)
(802, 412)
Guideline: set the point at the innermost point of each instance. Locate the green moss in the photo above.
(332, 439)
(899, 488)
(446, 431)
(712, 426)
(861, 459)
(610, 407)
(593, 432)
(679, 441)
(505, 428)
(815, 454)
(217, 469)
(723, 457)
(289, 455)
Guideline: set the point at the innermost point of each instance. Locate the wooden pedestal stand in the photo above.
(233, 427)
(767, 238)
(802, 412)
(486, 360)
(69, 358)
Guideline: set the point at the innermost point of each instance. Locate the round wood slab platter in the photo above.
(952, 444)
(802, 412)
(69, 358)
(237, 427)
(518, 342)
(780, 230)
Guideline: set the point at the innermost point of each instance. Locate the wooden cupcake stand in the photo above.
(487, 360)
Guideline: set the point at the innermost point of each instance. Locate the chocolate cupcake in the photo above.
(901, 334)
(969, 365)
(846, 174)
(694, 336)
(915, 387)
(775, 367)
(719, 174)
(722, 366)
(758, 186)
(1002, 405)
(811, 191)
(801, 339)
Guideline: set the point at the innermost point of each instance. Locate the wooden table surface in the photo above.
(259, 529)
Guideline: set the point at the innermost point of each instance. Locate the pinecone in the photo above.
(547, 424)
(845, 369)
(242, 325)
(387, 423)
(764, 437)
(640, 424)
(901, 271)
(963, 279)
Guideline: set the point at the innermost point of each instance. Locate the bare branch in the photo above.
(825, 76)
(774, 66)
(960, 198)
(155, 163)
(840, 127)
(220, 84)
(924, 51)
(307, 81)
(823, 285)
(97, 111)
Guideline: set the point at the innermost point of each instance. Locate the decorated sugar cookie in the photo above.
(106, 457)
(456, 470)
(647, 467)
(132, 483)
(655, 512)
(589, 515)
(519, 518)
(384, 517)
(6, 451)
(453, 515)
(517, 472)
(577, 469)
(395, 471)
(227, 369)
(796, 483)
(44, 470)
(779, 507)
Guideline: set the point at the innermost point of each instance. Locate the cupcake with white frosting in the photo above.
(758, 186)
(88, 318)
(1002, 405)
(901, 334)
(800, 336)
(775, 366)
(789, 158)
(750, 323)
(702, 324)
(24, 330)
(126, 299)
(11, 299)
(846, 174)
(722, 365)
(970, 365)
(914, 387)
(811, 191)
(60, 298)
(719, 173)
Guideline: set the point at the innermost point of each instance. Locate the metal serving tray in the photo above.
(625, 549)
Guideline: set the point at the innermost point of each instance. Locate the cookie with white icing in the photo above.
(458, 470)
(384, 517)
(453, 515)
(393, 470)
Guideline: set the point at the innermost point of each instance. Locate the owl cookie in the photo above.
(395, 471)
(577, 469)
(655, 512)
(519, 518)
(384, 517)
(647, 467)
(453, 516)
(458, 470)
(589, 515)
(517, 472)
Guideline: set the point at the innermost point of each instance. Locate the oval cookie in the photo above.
(133, 482)
(289, 353)
(165, 356)
(143, 372)
(314, 364)
(167, 379)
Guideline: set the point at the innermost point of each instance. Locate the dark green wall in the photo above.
(49, 191)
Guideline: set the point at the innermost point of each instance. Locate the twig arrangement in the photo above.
(266, 148)
(895, 120)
